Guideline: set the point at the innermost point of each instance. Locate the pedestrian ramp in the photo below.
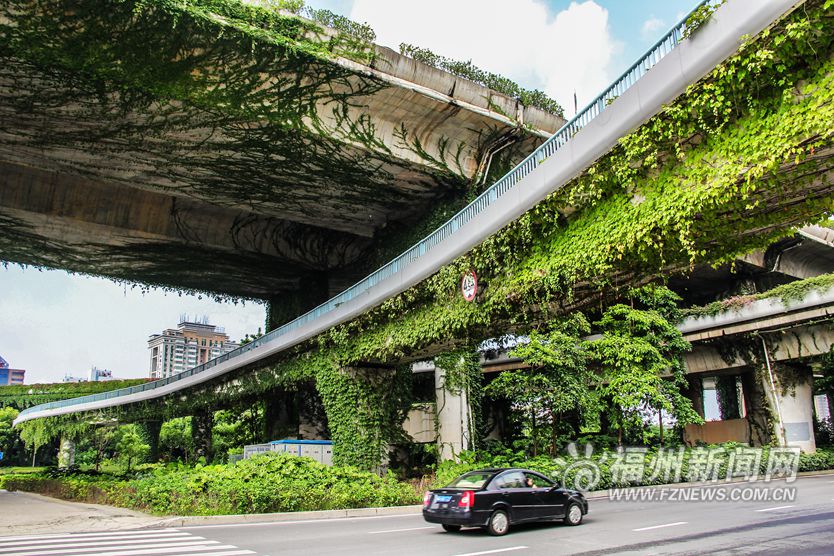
(118, 543)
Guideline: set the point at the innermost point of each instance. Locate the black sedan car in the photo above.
(498, 498)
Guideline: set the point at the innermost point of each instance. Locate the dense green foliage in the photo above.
(634, 368)
(267, 483)
(10, 443)
(641, 357)
(793, 291)
(559, 381)
(22, 396)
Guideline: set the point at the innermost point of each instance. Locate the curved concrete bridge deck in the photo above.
(172, 144)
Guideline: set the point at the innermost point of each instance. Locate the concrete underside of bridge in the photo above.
(181, 146)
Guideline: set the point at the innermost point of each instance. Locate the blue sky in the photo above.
(52, 323)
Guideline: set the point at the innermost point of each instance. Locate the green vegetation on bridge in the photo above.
(22, 396)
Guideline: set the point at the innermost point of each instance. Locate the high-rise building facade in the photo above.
(190, 344)
(10, 376)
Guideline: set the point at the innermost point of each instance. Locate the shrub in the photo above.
(266, 483)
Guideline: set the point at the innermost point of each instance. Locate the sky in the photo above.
(53, 324)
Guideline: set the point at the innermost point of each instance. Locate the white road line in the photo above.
(149, 543)
(174, 550)
(399, 530)
(62, 541)
(296, 522)
(661, 526)
(222, 553)
(41, 551)
(143, 532)
(496, 551)
(776, 508)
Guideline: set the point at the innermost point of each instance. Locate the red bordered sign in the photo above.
(469, 285)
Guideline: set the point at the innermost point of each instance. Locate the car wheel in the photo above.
(451, 528)
(499, 523)
(573, 516)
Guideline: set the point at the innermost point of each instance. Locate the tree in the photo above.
(10, 443)
(102, 441)
(175, 440)
(640, 356)
(558, 382)
(131, 446)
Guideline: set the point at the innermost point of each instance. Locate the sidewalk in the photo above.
(25, 513)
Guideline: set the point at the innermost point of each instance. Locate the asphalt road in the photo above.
(801, 526)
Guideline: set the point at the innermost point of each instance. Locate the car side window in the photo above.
(537, 481)
(511, 479)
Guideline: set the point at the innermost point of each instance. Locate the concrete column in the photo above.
(312, 419)
(793, 397)
(280, 415)
(695, 393)
(152, 430)
(365, 408)
(454, 419)
(66, 452)
(755, 388)
(201, 425)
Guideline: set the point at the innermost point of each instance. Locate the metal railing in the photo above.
(490, 196)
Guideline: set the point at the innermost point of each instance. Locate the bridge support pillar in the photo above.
(695, 393)
(312, 418)
(152, 430)
(454, 419)
(791, 398)
(365, 409)
(66, 452)
(280, 415)
(201, 425)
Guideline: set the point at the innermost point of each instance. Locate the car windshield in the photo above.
(474, 479)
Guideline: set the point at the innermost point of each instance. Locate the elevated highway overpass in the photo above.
(387, 318)
(228, 148)
(631, 100)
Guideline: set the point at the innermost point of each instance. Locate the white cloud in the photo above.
(522, 40)
(651, 27)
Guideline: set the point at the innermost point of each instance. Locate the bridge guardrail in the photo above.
(491, 195)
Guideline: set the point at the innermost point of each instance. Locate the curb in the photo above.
(196, 520)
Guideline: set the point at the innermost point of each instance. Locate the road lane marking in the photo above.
(86, 548)
(146, 543)
(399, 530)
(295, 522)
(171, 551)
(118, 543)
(496, 551)
(776, 508)
(661, 526)
(143, 532)
(77, 541)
